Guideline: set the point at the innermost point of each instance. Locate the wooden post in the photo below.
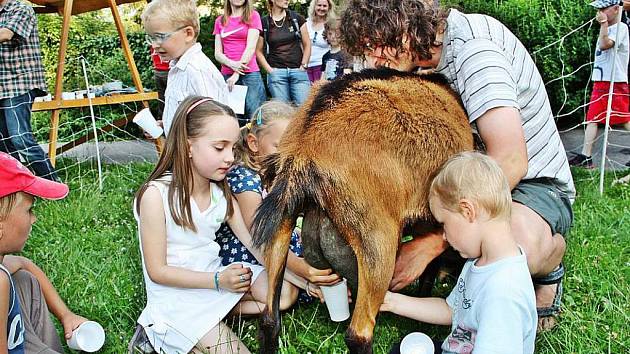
(135, 75)
(63, 46)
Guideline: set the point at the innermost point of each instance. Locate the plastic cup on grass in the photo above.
(417, 343)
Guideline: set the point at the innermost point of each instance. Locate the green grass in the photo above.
(88, 246)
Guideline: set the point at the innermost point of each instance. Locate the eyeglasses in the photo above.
(159, 38)
(315, 37)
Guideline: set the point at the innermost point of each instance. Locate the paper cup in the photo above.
(416, 343)
(336, 297)
(145, 120)
(88, 337)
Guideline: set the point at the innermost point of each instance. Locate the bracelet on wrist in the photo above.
(216, 281)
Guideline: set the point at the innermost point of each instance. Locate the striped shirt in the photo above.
(489, 67)
(192, 74)
(21, 68)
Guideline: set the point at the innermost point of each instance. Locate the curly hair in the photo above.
(383, 23)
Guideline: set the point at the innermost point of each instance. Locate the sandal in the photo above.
(555, 277)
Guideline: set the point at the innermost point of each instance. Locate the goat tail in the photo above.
(295, 185)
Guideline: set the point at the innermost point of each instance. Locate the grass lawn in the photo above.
(87, 245)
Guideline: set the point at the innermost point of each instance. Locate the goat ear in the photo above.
(252, 142)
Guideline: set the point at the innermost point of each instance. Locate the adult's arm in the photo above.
(55, 303)
(306, 46)
(250, 48)
(221, 57)
(260, 55)
(502, 134)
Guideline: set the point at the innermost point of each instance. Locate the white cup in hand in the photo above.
(145, 120)
(88, 337)
(336, 297)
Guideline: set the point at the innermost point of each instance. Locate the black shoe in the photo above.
(581, 161)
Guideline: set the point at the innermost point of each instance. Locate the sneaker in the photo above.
(581, 161)
(139, 343)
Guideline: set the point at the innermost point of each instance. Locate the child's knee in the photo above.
(288, 296)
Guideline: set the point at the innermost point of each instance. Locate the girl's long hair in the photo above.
(266, 114)
(227, 12)
(175, 159)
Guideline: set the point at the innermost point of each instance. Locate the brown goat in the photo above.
(362, 150)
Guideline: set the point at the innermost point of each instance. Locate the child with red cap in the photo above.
(24, 317)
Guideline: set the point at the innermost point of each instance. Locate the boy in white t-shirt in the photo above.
(492, 308)
(608, 15)
(172, 28)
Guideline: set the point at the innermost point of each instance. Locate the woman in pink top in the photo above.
(236, 34)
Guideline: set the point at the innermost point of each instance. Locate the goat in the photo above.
(362, 151)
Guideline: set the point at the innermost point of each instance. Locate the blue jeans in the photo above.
(289, 85)
(256, 94)
(16, 134)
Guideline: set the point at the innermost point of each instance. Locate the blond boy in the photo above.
(24, 317)
(492, 308)
(172, 28)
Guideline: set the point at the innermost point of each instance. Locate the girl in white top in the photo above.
(319, 11)
(179, 209)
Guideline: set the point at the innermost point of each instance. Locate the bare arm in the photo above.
(604, 41)
(153, 236)
(250, 48)
(55, 303)
(306, 45)
(5, 35)
(432, 310)
(502, 133)
(260, 55)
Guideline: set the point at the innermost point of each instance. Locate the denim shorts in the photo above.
(542, 196)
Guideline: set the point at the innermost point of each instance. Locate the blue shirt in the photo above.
(15, 324)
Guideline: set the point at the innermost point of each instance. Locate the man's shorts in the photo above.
(542, 196)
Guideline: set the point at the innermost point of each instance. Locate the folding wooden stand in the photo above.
(66, 9)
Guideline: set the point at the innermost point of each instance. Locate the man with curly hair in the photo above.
(505, 99)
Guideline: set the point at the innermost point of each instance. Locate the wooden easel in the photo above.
(66, 9)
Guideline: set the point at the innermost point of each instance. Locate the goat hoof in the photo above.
(268, 334)
(358, 345)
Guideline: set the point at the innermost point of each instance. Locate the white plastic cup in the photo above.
(417, 343)
(145, 120)
(88, 337)
(336, 297)
(68, 96)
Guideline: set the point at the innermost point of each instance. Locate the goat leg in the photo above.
(275, 262)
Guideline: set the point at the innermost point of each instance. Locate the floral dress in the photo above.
(242, 179)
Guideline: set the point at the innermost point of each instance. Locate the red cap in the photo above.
(14, 177)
